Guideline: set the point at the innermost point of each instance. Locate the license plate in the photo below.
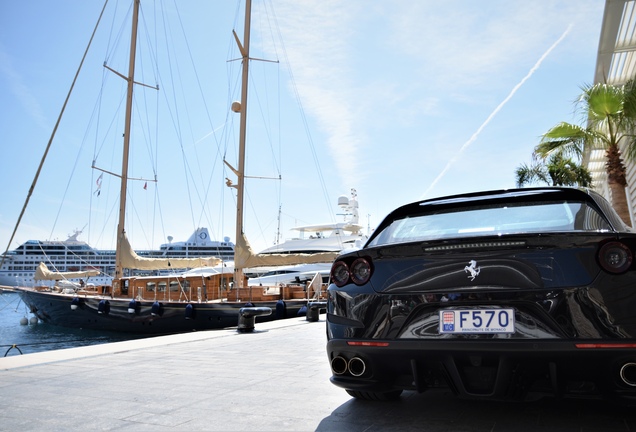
(477, 321)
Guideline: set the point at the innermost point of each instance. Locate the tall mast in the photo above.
(124, 164)
(245, 54)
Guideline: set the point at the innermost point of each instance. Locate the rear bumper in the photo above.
(486, 369)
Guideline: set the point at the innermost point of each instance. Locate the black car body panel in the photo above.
(567, 323)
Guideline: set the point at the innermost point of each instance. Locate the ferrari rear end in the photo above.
(513, 294)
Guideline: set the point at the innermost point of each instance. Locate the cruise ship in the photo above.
(72, 255)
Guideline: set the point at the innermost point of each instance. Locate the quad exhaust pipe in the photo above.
(339, 365)
(355, 366)
(628, 374)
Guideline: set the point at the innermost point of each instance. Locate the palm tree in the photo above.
(557, 171)
(610, 115)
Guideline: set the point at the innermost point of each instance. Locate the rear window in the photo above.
(494, 219)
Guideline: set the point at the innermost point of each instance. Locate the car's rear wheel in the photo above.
(375, 396)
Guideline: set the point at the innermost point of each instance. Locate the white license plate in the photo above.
(477, 321)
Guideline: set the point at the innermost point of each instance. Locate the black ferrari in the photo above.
(508, 295)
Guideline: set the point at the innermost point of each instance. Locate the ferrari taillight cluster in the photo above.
(358, 272)
(615, 257)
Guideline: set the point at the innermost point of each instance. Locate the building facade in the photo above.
(615, 64)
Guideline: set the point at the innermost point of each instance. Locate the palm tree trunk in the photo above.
(617, 181)
(619, 201)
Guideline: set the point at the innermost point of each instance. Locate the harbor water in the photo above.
(17, 338)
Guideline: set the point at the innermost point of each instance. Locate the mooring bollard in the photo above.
(313, 310)
(247, 317)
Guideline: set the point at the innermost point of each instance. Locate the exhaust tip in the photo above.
(338, 365)
(628, 374)
(357, 366)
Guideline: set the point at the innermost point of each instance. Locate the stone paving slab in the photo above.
(274, 379)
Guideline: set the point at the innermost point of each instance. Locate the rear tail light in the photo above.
(615, 257)
(359, 272)
(340, 273)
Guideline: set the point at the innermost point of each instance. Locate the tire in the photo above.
(376, 396)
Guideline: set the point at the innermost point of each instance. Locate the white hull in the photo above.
(297, 274)
(20, 264)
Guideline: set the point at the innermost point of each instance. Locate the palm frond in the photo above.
(564, 138)
(603, 101)
(531, 174)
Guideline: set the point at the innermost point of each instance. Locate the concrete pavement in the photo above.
(274, 379)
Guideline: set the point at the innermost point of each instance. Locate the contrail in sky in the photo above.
(494, 113)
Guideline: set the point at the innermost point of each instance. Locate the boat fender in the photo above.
(75, 303)
(156, 309)
(133, 307)
(103, 307)
(33, 320)
(302, 311)
(281, 309)
(189, 311)
(24, 321)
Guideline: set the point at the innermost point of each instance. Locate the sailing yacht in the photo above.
(175, 302)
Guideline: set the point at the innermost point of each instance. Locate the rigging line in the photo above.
(155, 201)
(153, 152)
(277, 160)
(221, 153)
(70, 178)
(69, 252)
(174, 114)
(304, 118)
(198, 80)
(159, 212)
(139, 101)
(256, 94)
(496, 111)
(110, 33)
(118, 37)
(270, 13)
(139, 220)
(114, 37)
(200, 195)
(97, 151)
(146, 133)
(8, 303)
(267, 119)
(108, 216)
(97, 113)
(48, 146)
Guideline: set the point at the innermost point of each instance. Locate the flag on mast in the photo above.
(99, 184)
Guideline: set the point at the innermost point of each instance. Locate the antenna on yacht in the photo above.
(277, 239)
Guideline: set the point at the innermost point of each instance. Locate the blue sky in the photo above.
(401, 100)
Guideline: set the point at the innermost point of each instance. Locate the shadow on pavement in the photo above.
(439, 410)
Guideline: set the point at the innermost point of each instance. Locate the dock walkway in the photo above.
(274, 379)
